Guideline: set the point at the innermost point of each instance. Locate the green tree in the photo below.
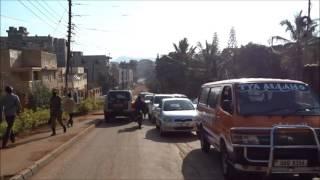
(209, 53)
(227, 63)
(40, 96)
(303, 34)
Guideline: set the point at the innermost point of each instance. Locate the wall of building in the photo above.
(12, 59)
(19, 39)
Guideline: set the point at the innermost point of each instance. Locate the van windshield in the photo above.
(277, 99)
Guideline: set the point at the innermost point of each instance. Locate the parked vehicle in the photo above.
(148, 100)
(176, 114)
(180, 95)
(144, 94)
(263, 126)
(153, 113)
(118, 103)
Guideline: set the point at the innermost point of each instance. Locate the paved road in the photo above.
(119, 150)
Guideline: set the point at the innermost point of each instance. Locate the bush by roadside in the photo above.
(30, 119)
(88, 105)
(27, 120)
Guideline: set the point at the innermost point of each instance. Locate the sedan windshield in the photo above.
(157, 99)
(148, 98)
(178, 105)
(277, 99)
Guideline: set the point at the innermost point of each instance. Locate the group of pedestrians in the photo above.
(10, 107)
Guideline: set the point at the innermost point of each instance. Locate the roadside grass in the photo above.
(30, 119)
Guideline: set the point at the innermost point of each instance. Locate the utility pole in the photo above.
(309, 9)
(68, 48)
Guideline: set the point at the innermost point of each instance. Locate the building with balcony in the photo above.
(77, 81)
(25, 69)
(19, 39)
(122, 74)
(95, 66)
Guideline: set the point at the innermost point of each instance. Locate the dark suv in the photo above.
(118, 103)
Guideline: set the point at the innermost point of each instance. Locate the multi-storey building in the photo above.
(96, 67)
(25, 69)
(19, 39)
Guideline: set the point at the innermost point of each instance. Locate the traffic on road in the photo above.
(263, 127)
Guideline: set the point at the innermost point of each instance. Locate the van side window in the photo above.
(226, 99)
(213, 96)
(204, 96)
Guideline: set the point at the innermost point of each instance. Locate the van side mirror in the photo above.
(227, 106)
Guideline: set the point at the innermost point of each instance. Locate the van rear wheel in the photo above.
(205, 146)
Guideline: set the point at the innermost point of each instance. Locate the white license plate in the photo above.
(291, 163)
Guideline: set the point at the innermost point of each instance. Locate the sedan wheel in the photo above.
(162, 132)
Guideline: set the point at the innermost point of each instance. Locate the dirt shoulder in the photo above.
(33, 145)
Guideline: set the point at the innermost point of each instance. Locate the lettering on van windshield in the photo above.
(275, 87)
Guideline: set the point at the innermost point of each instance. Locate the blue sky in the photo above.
(145, 28)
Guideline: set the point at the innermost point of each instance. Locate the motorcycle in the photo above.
(139, 118)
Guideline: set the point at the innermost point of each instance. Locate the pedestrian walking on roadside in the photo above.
(56, 112)
(69, 106)
(11, 106)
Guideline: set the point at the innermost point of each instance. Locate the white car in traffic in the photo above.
(176, 114)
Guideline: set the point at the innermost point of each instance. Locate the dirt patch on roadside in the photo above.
(64, 138)
(35, 156)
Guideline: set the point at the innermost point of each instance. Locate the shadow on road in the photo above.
(173, 137)
(129, 129)
(113, 123)
(199, 165)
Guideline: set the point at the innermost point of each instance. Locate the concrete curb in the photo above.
(33, 169)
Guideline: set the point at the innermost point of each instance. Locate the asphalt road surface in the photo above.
(119, 150)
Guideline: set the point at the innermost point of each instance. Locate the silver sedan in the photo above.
(176, 114)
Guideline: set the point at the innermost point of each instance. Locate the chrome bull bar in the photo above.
(272, 146)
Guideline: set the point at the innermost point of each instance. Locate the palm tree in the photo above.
(183, 51)
(210, 55)
(302, 35)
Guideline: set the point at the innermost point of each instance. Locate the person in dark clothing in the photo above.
(11, 106)
(139, 105)
(56, 112)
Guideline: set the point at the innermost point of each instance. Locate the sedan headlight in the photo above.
(245, 139)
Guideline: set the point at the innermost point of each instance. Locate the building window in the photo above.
(35, 75)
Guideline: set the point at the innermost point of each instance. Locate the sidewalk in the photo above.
(29, 148)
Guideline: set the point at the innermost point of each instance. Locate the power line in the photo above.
(61, 5)
(60, 21)
(35, 14)
(51, 19)
(45, 9)
(13, 18)
(51, 10)
(91, 29)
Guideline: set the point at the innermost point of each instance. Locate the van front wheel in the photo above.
(229, 172)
